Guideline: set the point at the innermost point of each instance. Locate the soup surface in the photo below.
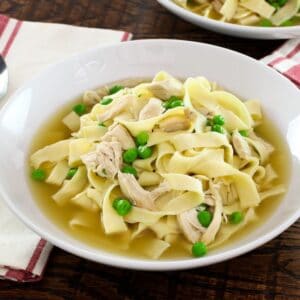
(160, 231)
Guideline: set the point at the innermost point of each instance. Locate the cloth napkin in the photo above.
(28, 47)
(286, 60)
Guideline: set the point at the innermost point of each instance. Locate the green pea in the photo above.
(129, 170)
(287, 23)
(101, 124)
(281, 2)
(199, 249)
(122, 206)
(217, 128)
(174, 98)
(38, 175)
(106, 101)
(130, 155)
(205, 217)
(265, 23)
(79, 109)
(173, 102)
(144, 152)
(71, 173)
(236, 217)
(115, 89)
(218, 120)
(176, 103)
(244, 133)
(142, 138)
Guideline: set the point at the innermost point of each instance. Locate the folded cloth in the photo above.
(286, 60)
(28, 47)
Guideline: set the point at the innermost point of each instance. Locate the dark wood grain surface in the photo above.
(270, 272)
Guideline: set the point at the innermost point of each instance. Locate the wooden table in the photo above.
(270, 272)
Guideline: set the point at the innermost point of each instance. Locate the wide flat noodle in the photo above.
(84, 201)
(135, 127)
(83, 220)
(180, 163)
(92, 133)
(201, 96)
(245, 186)
(149, 178)
(163, 228)
(72, 121)
(186, 141)
(229, 8)
(274, 191)
(112, 222)
(79, 147)
(182, 203)
(58, 173)
(71, 187)
(285, 13)
(180, 182)
(52, 153)
(262, 7)
(227, 230)
(141, 215)
(153, 247)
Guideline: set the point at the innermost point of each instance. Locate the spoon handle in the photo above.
(3, 78)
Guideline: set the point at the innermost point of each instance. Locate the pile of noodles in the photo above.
(198, 165)
(245, 12)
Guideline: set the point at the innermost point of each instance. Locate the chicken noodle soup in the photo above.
(265, 13)
(161, 169)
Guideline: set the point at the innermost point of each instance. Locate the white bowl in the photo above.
(252, 32)
(42, 96)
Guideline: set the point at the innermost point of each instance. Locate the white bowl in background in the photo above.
(251, 32)
(44, 95)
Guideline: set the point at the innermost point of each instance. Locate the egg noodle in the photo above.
(181, 160)
(247, 12)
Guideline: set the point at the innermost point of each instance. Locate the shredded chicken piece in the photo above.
(90, 98)
(175, 123)
(166, 88)
(210, 233)
(206, 112)
(209, 198)
(268, 147)
(152, 109)
(240, 145)
(139, 196)
(217, 5)
(178, 122)
(121, 134)
(117, 106)
(190, 226)
(228, 193)
(106, 160)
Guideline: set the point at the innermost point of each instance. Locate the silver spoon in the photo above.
(3, 78)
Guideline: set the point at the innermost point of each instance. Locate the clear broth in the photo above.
(54, 130)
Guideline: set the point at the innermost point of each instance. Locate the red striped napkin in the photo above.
(286, 60)
(28, 47)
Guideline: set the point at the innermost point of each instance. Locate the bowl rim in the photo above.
(169, 4)
(127, 262)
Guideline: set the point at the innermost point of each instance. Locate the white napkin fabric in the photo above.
(28, 47)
